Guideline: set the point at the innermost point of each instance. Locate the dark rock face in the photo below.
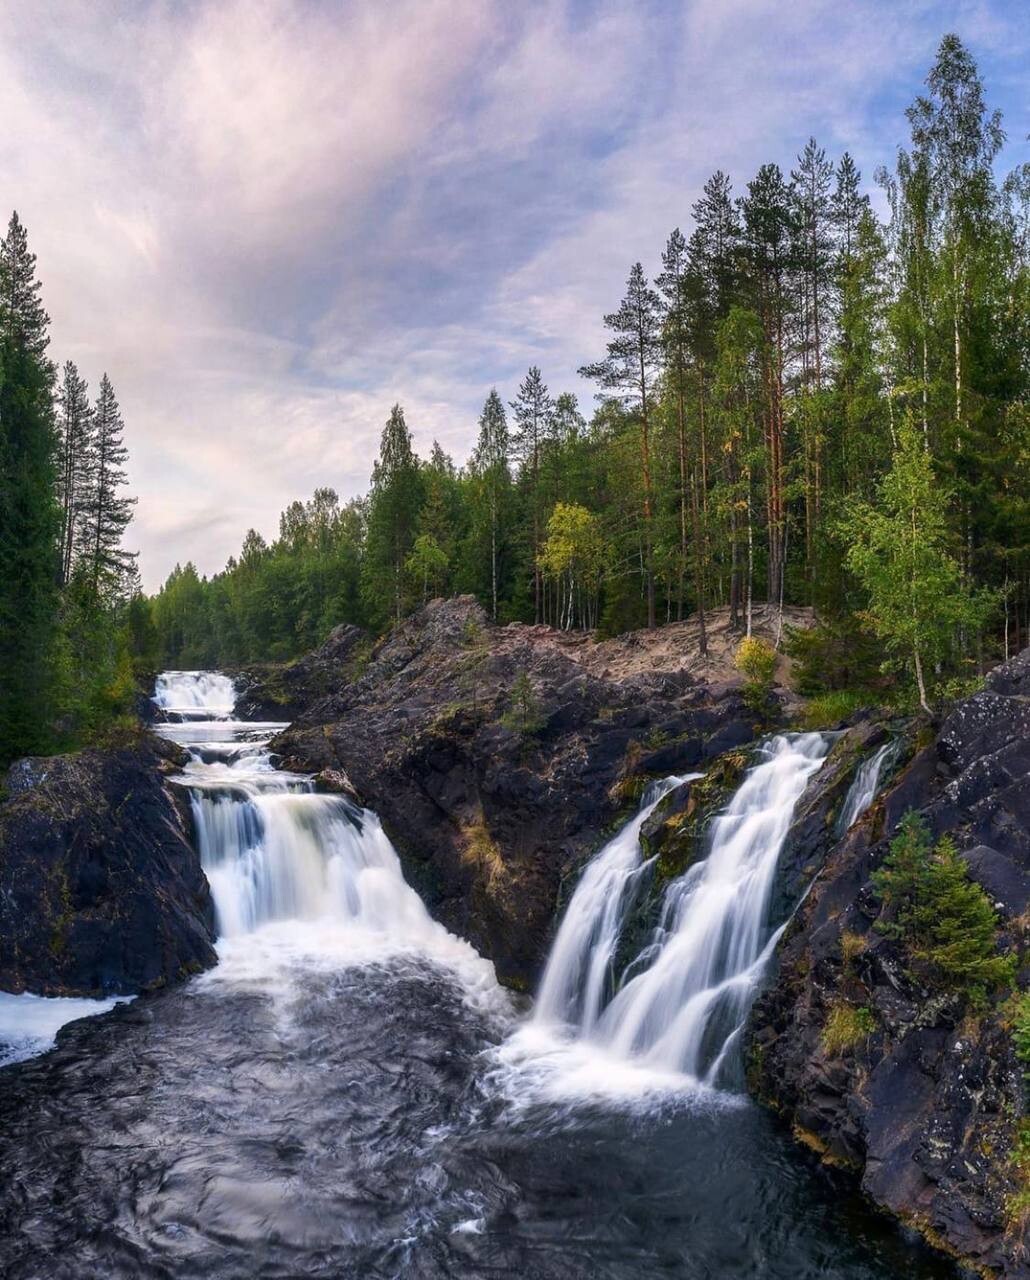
(496, 762)
(924, 1103)
(101, 891)
(272, 691)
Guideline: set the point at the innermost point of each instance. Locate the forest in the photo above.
(805, 403)
(75, 629)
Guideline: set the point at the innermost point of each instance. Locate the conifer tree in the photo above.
(491, 465)
(629, 368)
(393, 515)
(76, 455)
(106, 511)
(532, 409)
(30, 517)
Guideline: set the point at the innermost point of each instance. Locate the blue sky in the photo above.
(269, 220)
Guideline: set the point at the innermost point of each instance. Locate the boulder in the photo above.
(101, 891)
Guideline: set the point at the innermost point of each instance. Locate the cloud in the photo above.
(269, 219)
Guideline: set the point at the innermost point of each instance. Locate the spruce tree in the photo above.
(76, 457)
(106, 511)
(30, 517)
(490, 462)
(393, 510)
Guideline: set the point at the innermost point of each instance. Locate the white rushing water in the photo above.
(29, 1024)
(195, 693)
(864, 785)
(683, 1000)
(296, 877)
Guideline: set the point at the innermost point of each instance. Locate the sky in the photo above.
(269, 220)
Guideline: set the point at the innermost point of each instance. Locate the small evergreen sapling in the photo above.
(943, 920)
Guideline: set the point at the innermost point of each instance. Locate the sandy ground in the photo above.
(675, 645)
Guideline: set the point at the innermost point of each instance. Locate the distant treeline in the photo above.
(805, 405)
(74, 626)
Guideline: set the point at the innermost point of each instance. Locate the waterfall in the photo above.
(291, 870)
(684, 999)
(205, 694)
(862, 791)
(579, 966)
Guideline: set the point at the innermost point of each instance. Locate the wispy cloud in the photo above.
(269, 219)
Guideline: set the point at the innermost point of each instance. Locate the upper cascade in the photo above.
(195, 694)
(680, 1004)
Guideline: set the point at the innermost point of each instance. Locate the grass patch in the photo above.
(846, 1027)
(827, 710)
(1017, 1203)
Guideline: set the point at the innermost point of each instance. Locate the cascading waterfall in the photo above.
(580, 964)
(684, 999)
(865, 783)
(307, 870)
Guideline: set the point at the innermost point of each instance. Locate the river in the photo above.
(350, 1094)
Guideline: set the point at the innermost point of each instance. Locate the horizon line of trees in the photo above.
(805, 405)
(74, 624)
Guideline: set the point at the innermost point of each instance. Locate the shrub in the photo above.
(846, 1026)
(1020, 1021)
(833, 656)
(756, 660)
(523, 715)
(944, 921)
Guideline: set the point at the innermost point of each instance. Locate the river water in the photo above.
(350, 1094)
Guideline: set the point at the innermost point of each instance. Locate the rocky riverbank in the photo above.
(924, 1100)
(101, 890)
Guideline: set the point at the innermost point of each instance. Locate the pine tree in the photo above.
(76, 444)
(769, 238)
(811, 185)
(630, 369)
(30, 517)
(532, 410)
(105, 511)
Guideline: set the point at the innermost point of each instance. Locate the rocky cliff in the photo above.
(498, 757)
(101, 891)
(917, 1093)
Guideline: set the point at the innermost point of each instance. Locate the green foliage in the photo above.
(756, 660)
(836, 654)
(943, 920)
(524, 715)
(847, 1026)
(829, 709)
(898, 549)
(1019, 1017)
(809, 407)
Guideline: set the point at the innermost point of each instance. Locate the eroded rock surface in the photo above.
(101, 891)
(497, 759)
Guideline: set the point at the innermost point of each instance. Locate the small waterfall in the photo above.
(862, 791)
(287, 866)
(684, 999)
(578, 972)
